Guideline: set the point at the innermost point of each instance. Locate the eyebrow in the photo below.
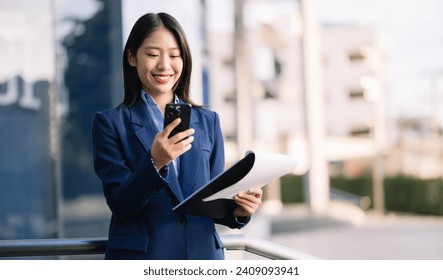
(158, 48)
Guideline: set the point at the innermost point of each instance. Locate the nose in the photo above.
(164, 63)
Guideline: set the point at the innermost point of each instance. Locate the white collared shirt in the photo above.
(159, 119)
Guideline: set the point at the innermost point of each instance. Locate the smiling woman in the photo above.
(157, 48)
(144, 170)
(159, 65)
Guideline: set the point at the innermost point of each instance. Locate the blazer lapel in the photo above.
(174, 184)
(144, 128)
(145, 131)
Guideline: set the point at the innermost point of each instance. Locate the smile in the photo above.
(162, 78)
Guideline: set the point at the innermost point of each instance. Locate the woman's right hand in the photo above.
(164, 149)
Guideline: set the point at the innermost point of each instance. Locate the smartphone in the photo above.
(182, 111)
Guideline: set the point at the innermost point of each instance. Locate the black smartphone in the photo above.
(182, 111)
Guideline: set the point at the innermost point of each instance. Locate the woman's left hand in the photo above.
(248, 202)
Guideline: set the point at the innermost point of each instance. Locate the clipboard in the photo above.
(254, 170)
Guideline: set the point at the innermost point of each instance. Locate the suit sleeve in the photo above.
(127, 190)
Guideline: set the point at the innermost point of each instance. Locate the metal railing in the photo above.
(262, 248)
(87, 246)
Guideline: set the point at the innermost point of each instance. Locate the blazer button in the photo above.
(181, 220)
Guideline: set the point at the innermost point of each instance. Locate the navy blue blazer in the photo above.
(143, 224)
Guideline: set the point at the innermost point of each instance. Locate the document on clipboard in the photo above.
(254, 170)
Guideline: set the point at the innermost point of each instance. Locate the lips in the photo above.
(162, 78)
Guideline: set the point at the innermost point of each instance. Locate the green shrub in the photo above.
(292, 189)
(402, 193)
(408, 194)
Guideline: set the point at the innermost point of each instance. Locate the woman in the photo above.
(143, 172)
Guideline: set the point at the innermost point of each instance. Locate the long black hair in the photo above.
(141, 29)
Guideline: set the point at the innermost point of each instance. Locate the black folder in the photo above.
(198, 203)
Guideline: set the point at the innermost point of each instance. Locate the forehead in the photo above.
(160, 38)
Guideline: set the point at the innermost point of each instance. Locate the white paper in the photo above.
(267, 167)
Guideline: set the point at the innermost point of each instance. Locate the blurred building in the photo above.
(353, 58)
(28, 202)
(354, 64)
(418, 149)
(272, 74)
(355, 67)
(358, 121)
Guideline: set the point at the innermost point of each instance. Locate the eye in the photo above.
(152, 55)
(175, 56)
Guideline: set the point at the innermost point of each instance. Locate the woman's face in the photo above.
(158, 62)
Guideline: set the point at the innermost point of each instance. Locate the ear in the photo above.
(131, 58)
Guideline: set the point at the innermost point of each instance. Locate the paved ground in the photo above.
(393, 236)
